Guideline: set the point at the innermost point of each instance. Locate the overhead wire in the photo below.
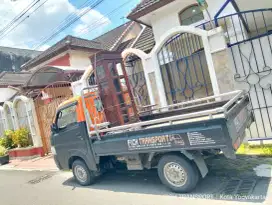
(71, 17)
(20, 15)
(7, 12)
(22, 20)
(30, 6)
(66, 20)
(81, 14)
(100, 22)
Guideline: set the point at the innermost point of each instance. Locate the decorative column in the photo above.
(219, 52)
(155, 77)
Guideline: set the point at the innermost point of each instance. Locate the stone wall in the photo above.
(223, 70)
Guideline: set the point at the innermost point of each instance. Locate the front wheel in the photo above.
(177, 173)
(82, 173)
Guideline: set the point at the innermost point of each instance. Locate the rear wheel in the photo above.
(177, 173)
(82, 173)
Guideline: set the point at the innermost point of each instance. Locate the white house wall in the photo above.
(167, 17)
(244, 5)
(79, 59)
(2, 122)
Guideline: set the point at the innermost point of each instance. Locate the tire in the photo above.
(82, 173)
(177, 173)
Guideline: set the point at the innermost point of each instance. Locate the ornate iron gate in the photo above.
(134, 69)
(249, 36)
(184, 68)
(46, 103)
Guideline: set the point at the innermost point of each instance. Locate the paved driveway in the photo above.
(122, 188)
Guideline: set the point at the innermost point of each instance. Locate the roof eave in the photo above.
(7, 85)
(57, 52)
(136, 15)
(29, 65)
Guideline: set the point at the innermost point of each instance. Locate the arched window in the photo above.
(190, 15)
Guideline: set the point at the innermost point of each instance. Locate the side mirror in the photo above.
(54, 128)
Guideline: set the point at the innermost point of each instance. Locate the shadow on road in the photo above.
(251, 189)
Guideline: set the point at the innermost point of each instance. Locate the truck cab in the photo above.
(69, 136)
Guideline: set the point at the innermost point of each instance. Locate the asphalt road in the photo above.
(127, 188)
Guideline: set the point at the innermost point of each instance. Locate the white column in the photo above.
(218, 51)
(36, 135)
(210, 63)
(147, 64)
(159, 81)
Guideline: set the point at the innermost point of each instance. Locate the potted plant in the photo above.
(4, 156)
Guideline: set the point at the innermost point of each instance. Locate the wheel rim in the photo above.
(80, 173)
(175, 174)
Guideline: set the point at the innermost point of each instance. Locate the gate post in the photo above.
(151, 77)
(219, 54)
(157, 81)
(32, 124)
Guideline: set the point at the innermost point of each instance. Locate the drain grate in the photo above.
(240, 187)
(40, 179)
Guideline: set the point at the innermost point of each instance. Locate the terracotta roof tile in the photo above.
(15, 79)
(146, 40)
(108, 39)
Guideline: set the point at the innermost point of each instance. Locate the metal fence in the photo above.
(249, 38)
(136, 77)
(184, 68)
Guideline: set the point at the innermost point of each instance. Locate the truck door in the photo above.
(69, 137)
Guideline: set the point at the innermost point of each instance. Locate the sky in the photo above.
(44, 21)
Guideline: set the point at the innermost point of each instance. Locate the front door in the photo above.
(70, 135)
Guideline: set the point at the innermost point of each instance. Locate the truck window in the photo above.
(67, 116)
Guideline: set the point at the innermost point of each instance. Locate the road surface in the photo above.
(125, 188)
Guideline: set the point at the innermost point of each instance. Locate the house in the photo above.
(46, 80)
(186, 52)
(74, 52)
(174, 51)
(11, 59)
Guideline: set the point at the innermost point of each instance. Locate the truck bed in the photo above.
(220, 127)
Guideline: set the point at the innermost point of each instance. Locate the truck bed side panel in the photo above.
(196, 135)
(239, 119)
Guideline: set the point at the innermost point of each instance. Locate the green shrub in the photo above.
(20, 137)
(262, 150)
(3, 151)
(6, 140)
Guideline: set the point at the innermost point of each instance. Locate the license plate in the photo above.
(240, 119)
